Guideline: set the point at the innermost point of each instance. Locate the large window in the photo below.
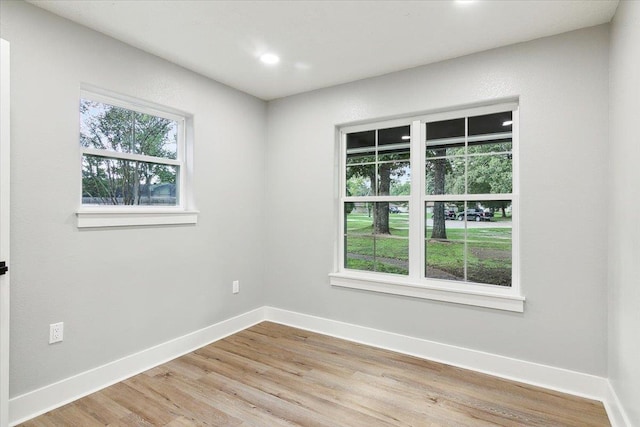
(429, 207)
(133, 157)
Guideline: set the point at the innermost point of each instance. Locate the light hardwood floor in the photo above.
(274, 375)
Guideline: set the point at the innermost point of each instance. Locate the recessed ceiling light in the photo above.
(464, 2)
(270, 58)
(406, 137)
(507, 123)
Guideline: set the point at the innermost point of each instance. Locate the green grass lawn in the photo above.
(358, 223)
(488, 250)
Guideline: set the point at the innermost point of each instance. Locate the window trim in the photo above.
(415, 284)
(431, 289)
(89, 218)
(97, 216)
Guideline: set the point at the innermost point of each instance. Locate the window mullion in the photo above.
(343, 192)
(466, 191)
(129, 156)
(182, 158)
(515, 203)
(376, 189)
(372, 199)
(416, 203)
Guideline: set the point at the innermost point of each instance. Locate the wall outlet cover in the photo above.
(56, 332)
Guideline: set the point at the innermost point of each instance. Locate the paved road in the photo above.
(473, 224)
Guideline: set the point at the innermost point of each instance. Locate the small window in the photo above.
(133, 157)
(429, 206)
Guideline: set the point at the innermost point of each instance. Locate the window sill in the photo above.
(389, 284)
(134, 217)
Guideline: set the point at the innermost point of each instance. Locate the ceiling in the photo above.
(322, 43)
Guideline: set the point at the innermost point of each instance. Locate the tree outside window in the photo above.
(129, 157)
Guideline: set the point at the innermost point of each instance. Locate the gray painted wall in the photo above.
(624, 205)
(120, 291)
(562, 85)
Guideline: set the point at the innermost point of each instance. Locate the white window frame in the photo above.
(96, 216)
(415, 284)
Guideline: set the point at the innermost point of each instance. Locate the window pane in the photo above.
(394, 143)
(444, 151)
(158, 184)
(360, 179)
(490, 146)
(394, 179)
(358, 158)
(376, 237)
(445, 176)
(155, 136)
(361, 147)
(490, 174)
(382, 169)
(107, 181)
(364, 139)
(491, 124)
(445, 138)
(445, 129)
(489, 245)
(358, 236)
(474, 212)
(106, 127)
(444, 241)
(476, 250)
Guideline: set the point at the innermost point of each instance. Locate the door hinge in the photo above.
(3, 268)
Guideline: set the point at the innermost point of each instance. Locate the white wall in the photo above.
(120, 291)
(562, 85)
(624, 208)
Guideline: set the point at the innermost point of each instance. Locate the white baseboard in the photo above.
(617, 415)
(34, 403)
(563, 380)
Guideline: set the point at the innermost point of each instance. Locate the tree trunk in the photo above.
(381, 218)
(381, 209)
(439, 230)
(136, 187)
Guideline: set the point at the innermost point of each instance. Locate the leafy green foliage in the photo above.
(108, 180)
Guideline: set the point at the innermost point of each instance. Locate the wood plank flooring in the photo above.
(274, 375)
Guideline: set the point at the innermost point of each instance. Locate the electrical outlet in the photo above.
(236, 286)
(56, 331)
